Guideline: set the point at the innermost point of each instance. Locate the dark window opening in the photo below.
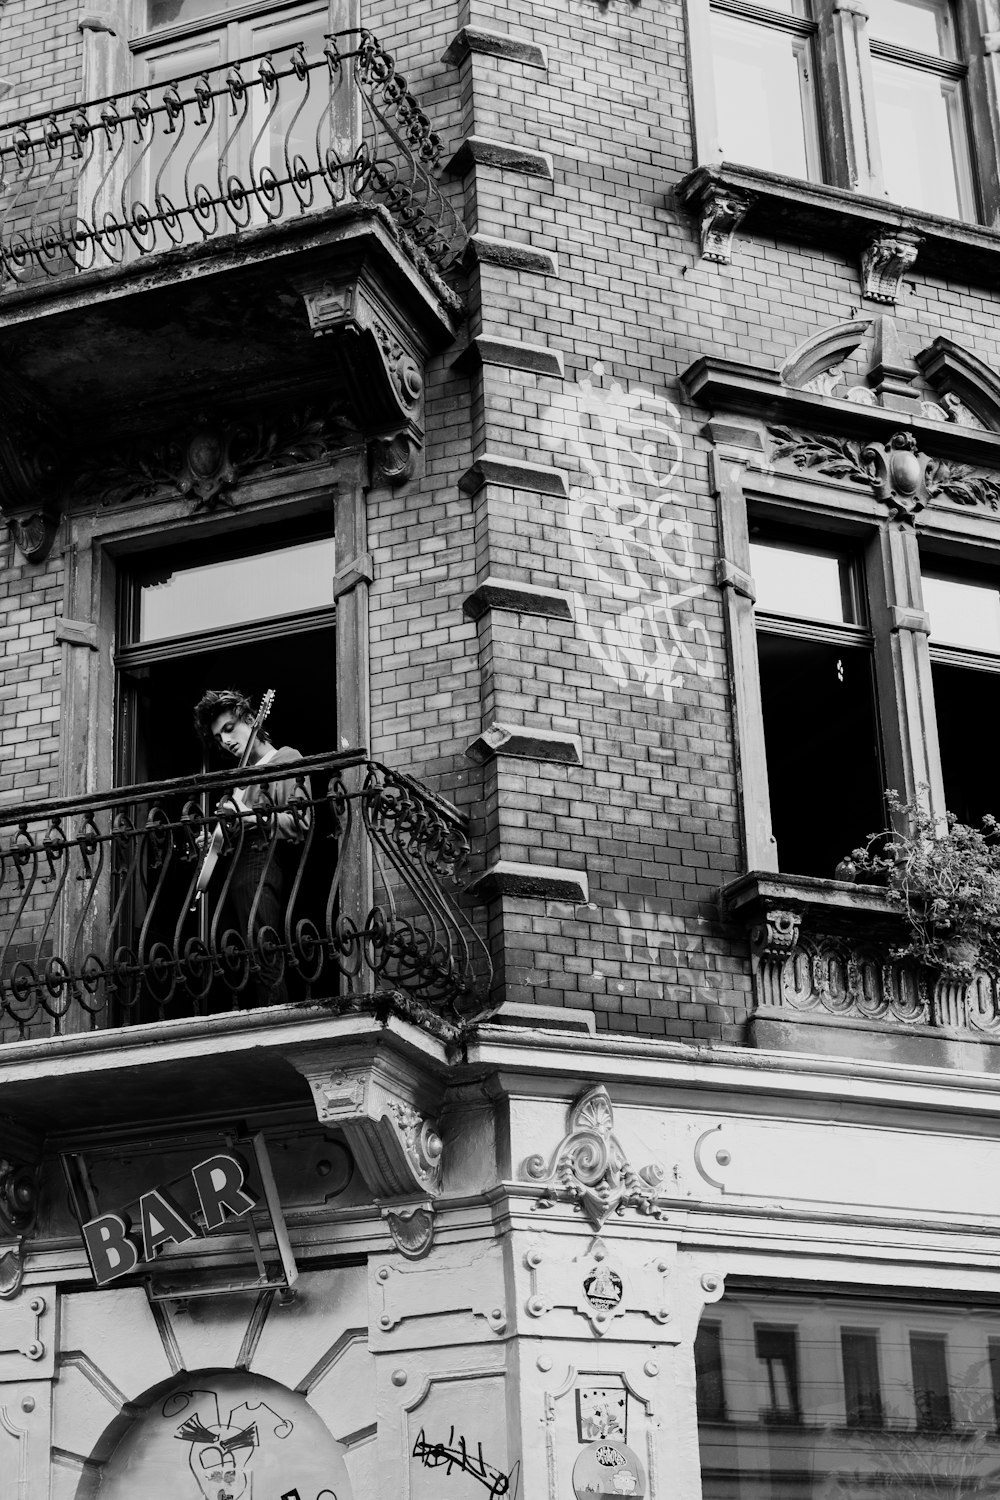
(967, 706)
(862, 1388)
(931, 1395)
(708, 1373)
(777, 1351)
(823, 754)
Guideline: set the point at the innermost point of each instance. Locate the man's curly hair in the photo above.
(222, 701)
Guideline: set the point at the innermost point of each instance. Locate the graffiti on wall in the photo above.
(220, 1454)
(632, 541)
(458, 1456)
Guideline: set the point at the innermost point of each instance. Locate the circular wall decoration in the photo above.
(608, 1469)
(226, 1435)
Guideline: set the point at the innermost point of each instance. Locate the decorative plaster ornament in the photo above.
(590, 1166)
(608, 1469)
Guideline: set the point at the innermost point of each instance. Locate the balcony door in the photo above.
(231, 144)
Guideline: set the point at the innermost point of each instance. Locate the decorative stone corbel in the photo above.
(590, 1166)
(720, 212)
(20, 1171)
(382, 363)
(386, 1104)
(885, 260)
(899, 473)
(391, 461)
(772, 940)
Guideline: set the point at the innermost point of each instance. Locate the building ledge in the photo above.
(811, 213)
(753, 894)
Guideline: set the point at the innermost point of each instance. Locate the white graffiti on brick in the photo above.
(634, 548)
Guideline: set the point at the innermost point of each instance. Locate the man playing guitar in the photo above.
(225, 719)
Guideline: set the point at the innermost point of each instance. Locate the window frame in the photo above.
(845, 94)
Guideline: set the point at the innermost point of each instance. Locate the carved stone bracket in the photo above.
(386, 1104)
(20, 1171)
(885, 260)
(381, 358)
(718, 211)
(777, 934)
(590, 1166)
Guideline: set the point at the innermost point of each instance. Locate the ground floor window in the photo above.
(816, 1397)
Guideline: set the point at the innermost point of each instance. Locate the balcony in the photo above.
(177, 163)
(223, 248)
(103, 927)
(826, 979)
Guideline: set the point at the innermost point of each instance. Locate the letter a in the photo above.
(164, 1222)
(111, 1251)
(219, 1181)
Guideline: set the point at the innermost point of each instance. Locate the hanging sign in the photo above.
(115, 1247)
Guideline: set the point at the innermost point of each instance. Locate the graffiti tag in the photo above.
(456, 1455)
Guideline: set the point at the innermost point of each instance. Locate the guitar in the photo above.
(218, 839)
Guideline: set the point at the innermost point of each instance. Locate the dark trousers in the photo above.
(267, 987)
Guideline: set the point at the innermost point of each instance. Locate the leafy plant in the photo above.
(946, 882)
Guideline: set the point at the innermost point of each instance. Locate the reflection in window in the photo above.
(263, 586)
(962, 613)
(835, 1396)
(803, 581)
(765, 103)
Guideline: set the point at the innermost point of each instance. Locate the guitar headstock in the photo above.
(266, 704)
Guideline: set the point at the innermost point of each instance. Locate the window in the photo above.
(818, 700)
(708, 1373)
(862, 1390)
(920, 106)
(931, 1396)
(766, 101)
(777, 1352)
(812, 89)
(965, 667)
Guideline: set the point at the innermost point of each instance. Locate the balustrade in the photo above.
(230, 148)
(100, 923)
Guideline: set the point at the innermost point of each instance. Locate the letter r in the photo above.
(111, 1252)
(220, 1183)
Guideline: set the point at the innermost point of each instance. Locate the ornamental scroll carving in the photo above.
(885, 260)
(800, 970)
(590, 1167)
(896, 472)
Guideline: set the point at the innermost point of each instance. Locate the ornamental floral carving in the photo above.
(590, 1166)
(207, 461)
(896, 471)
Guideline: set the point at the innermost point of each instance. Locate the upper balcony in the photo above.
(193, 243)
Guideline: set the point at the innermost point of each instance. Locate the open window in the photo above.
(817, 686)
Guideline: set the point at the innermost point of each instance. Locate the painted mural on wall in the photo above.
(227, 1435)
(632, 541)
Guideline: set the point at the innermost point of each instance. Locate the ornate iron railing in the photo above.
(335, 886)
(227, 149)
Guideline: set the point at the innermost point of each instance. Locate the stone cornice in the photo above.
(725, 385)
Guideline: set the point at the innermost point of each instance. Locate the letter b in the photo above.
(111, 1252)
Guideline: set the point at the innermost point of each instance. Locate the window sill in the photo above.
(727, 199)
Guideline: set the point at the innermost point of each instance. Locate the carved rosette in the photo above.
(885, 260)
(590, 1167)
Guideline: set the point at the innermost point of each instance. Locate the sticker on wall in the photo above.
(601, 1413)
(607, 1468)
(603, 1288)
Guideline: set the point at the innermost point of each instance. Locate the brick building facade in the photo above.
(584, 417)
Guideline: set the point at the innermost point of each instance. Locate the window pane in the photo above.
(967, 706)
(763, 91)
(921, 130)
(182, 12)
(921, 25)
(962, 613)
(803, 582)
(822, 744)
(190, 600)
(931, 1396)
(862, 1393)
(708, 1374)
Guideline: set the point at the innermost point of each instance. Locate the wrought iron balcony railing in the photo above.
(344, 892)
(230, 148)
